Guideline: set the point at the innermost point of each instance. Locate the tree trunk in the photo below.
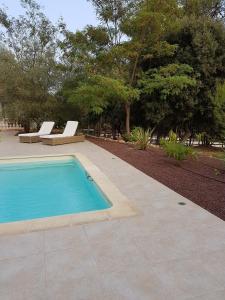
(26, 126)
(127, 109)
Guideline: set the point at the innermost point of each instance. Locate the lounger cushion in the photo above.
(29, 134)
(45, 129)
(52, 136)
(70, 130)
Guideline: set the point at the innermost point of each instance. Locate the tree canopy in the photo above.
(155, 63)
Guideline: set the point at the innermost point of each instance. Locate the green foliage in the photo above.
(30, 75)
(143, 138)
(199, 137)
(127, 137)
(96, 93)
(170, 81)
(219, 113)
(208, 8)
(202, 42)
(172, 136)
(132, 30)
(135, 132)
(177, 151)
(169, 94)
(180, 92)
(223, 156)
(112, 14)
(168, 54)
(132, 136)
(139, 136)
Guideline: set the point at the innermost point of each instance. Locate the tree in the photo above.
(112, 14)
(214, 9)
(8, 74)
(97, 50)
(133, 31)
(218, 126)
(201, 44)
(169, 96)
(146, 31)
(98, 92)
(154, 62)
(32, 41)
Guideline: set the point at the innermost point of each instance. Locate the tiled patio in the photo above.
(166, 252)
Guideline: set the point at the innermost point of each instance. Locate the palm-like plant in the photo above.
(143, 138)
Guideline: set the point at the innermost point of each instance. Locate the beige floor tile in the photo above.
(182, 278)
(102, 231)
(78, 289)
(132, 283)
(30, 294)
(112, 255)
(69, 265)
(6, 295)
(144, 225)
(158, 248)
(215, 265)
(21, 245)
(65, 238)
(21, 275)
(180, 244)
(218, 295)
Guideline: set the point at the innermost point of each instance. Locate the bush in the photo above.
(142, 138)
(139, 136)
(133, 136)
(199, 137)
(177, 150)
(127, 137)
(172, 136)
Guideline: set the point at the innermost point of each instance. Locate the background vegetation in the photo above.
(150, 63)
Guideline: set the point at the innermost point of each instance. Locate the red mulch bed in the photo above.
(202, 180)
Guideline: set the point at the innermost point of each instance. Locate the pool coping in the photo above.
(120, 208)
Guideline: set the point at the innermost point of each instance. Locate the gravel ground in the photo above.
(201, 180)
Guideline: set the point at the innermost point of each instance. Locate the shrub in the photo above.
(177, 150)
(127, 137)
(172, 136)
(139, 136)
(133, 136)
(135, 133)
(199, 137)
(142, 138)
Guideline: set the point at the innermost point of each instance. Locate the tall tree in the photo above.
(169, 94)
(112, 15)
(32, 40)
(97, 50)
(204, 8)
(135, 30)
(201, 44)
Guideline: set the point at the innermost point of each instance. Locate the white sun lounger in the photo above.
(34, 137)
(68, 135)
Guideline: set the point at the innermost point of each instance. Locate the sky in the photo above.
(76, 13)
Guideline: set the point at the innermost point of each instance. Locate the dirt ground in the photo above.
(201, 180)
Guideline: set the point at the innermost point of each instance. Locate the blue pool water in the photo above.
(44, 189)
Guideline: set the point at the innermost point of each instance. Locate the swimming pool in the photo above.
(32, 190)
(50, 191)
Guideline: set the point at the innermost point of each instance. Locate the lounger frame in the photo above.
(63, 140)
(29, 139)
